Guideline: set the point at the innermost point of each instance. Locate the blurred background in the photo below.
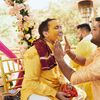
(67, 11)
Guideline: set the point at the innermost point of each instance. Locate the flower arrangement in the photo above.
(25, 22)
(69, 89)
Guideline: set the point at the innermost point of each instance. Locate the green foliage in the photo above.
(24, 12)
(18, 1)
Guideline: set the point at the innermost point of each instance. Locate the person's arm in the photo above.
(90, 72)
(33, 74)
(85, 74)
(78, 59)
(59, 55)
(66, 70)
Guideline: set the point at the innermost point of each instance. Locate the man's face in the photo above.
(79, 34)
(82, 33)
(54, 31)
(96, 31)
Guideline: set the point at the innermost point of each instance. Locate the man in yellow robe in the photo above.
(84, 32)
(42, 77)
(90, 72)
(84, 48)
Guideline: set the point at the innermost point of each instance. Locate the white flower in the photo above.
(27, 7)
(35, 34)
(24, 22)
(9, 2)
(27, 36)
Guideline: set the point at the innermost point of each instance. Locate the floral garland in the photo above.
(25, 21)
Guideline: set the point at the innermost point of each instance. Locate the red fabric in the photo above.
(46, 57)
(69, 90)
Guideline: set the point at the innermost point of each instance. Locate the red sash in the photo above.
(46, 57)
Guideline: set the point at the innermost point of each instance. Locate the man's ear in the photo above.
(45, 34)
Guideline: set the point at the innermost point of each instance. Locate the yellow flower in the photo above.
(26, 28)
(31, 40)
(26, 25)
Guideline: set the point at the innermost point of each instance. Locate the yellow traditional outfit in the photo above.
(38, 81)
(85, 48)
(90, 73)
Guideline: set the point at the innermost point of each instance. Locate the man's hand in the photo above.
(58, 51)
(59, 55)
(62, 96)
(67, 46)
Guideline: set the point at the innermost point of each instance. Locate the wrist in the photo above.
(67, 51)
(60, 60)
(71, 54)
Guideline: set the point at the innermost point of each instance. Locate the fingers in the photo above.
(66, 40)
(64, 98)
(56, 47)
(67, 46)
(57, 44)
(58, 51)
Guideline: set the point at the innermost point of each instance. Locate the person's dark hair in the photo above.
(84, 26)
(97, 18)
(44, 27)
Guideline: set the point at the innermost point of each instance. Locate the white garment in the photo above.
(81, 94)
(38, 97)
(88, 37)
